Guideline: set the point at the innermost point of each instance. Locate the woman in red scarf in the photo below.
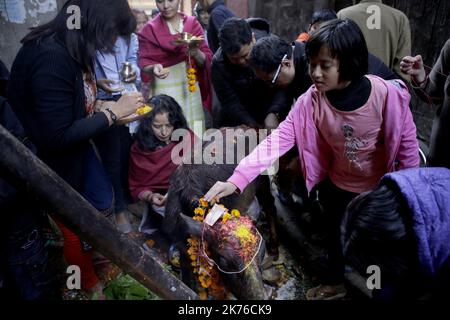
(151, 162)
(166, 64)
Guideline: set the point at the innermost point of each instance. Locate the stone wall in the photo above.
(16, 18)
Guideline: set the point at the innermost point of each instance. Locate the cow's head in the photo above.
(247, 284)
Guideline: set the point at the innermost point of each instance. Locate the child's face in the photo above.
(161, 127)
(324, 71)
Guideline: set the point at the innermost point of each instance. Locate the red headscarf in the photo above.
(155, 46)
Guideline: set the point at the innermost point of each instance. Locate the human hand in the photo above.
(105, 85)
(193, 48)
(271, 122)
(414, 67)
(195, 52)
(160, 72)
(127, 104)
(219, 190)
(158, 199)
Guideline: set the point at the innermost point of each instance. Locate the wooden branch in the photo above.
(22, 168)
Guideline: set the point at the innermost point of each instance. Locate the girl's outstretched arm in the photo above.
(260, 159)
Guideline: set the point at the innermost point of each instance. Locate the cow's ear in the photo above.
(192, 226)
(196, 228)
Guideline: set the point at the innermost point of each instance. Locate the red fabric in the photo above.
(151, 170)
(155, 46)
(74, 255)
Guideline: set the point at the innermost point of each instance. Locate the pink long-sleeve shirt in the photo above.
(304, 129)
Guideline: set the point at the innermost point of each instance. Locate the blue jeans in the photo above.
(27, 273)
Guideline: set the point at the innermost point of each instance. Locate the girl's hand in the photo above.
(158, 199)
(160, 72)
(414, 67)
(219, 190)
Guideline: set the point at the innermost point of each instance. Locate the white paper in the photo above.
(214, 214)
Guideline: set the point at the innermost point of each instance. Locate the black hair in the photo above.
(268, 52)
(377, 230)
(234, 34)
(346, 43)
(198, 9)
(161, 104)
(323, 15)
(102, 21)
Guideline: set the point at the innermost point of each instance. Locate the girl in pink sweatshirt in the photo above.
(350, 129)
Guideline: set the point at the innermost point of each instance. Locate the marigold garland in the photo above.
(232, 224)
(208, 277)
(192, 78)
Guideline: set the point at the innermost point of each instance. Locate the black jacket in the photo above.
(244, 98)
(10, 122)
(218, 14)
(46, 91)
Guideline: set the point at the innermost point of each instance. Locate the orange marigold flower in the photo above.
(203, 203)
(226, 216)
(203, 295)
(192, 88)
(192, 71)
(236, 213)
(199, 212)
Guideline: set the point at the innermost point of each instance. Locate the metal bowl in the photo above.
(187, 38)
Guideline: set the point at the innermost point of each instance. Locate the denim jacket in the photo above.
(108, 65)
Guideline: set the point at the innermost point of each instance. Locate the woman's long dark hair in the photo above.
(161, 104)
(102, 21)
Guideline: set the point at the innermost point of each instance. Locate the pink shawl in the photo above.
(155, 46)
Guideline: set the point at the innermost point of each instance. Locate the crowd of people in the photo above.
(336, 101)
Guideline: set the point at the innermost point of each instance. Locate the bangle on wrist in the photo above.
(112, 114)
(420, 84)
